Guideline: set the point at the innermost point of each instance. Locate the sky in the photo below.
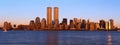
(22, 11)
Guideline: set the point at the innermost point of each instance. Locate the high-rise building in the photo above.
(102, 24)
(64, 24)
(75, 20)
(64, 21)
(77, 26)
(97, 26)
(56, 15)
(43, 24)
(107, 25)
(88, 25)
(5, 27)
(92, 26)
(80, 20)
(83, 24)
(32, 25)
(72, 25)
(111, 24)
(49, 17)
(37, 23)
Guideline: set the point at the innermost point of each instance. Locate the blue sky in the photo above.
(22, 11)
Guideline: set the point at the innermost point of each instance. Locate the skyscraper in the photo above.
(102, 24)
(107, 25)
(111, 24)
(32, 25)
(88, 24)
(64, 21)
(43, 24)
(37, 23)
(72, 25)
(83, 24)
(49, 17)
(56, 15)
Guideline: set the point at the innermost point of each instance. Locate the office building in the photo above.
(56, 15)
(111, 23)
(83, 25)
(32, 25)
(43, 24)
(37, 23)
(88, 25)
(92, 26)
(102, 24)
(72, 25)
(49, 18)
(107, 25)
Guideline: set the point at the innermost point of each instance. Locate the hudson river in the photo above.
(60, 38)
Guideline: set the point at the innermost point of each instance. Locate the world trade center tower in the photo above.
(49, 17)
(56, 15)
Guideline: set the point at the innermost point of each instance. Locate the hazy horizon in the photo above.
(22, 11)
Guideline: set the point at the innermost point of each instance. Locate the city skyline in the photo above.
(18, 13)
(75, 24)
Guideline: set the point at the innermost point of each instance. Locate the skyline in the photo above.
(74, 24)
(21, 12)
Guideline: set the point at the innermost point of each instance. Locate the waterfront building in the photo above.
(56, 15)
(32, 25)
(61, 26)
(107, 25)
(92, 26)
(97, 26)
(22, 27)
(102, 24)
(83, 25)
(77, 26)
(43, 24)
(72, 25)
(111, 23)
(64, 21)
(7, 26)
(49, 18)
(75, 20)
(88, 25)
(37, 23)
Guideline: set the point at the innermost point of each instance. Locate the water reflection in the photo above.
(59, 38)
(109, 39)
(52, 38)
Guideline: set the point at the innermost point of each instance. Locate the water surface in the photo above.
(59, 38)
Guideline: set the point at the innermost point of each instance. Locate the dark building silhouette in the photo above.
(83, 24)
(102, 24)
(64, 21)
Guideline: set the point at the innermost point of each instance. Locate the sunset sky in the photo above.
(22, 11)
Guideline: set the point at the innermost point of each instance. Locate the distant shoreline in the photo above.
(64, 30)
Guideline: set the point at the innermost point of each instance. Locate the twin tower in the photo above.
(49, 16)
